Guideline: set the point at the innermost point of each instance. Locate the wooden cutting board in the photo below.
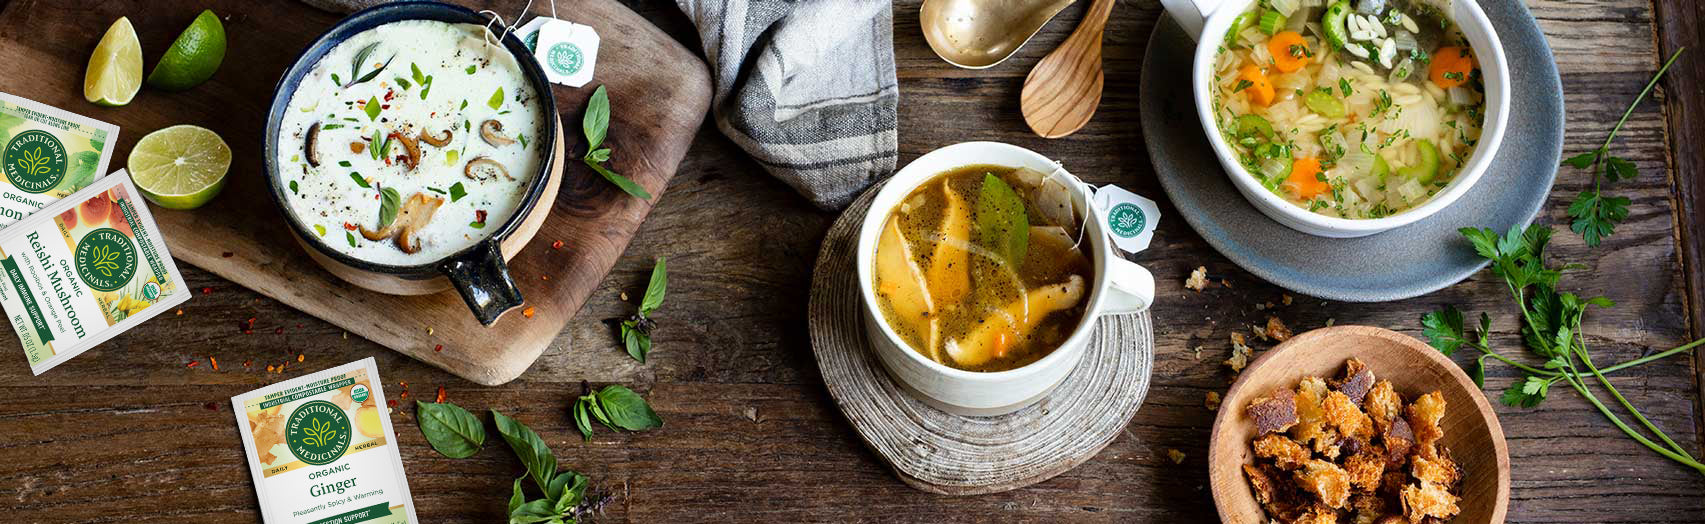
(659, 93)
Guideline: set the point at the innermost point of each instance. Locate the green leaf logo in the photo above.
(34, 161)
(318, 432)
(105, 259)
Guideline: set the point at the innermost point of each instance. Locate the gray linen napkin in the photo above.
(806, 88)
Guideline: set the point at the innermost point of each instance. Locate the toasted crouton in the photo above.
(1367, 508)
(1438, 470)
(1275, 412)
(1426, 499)
(1383, 405)
(1318, 514)
(1342, 413)
(1261, 483)
(1356, 381)
(1424, 416)
(1311, 415)
(1366, 468)
(1399, 439)
(1284, 452)
(1326, 481)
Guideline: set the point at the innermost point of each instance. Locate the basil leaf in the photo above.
(627, 409)
(582, 420)
(622, 182)
(1002, 225)
(596, 122)
(599, 155)
(531, 512)
(451, 430)
(599, 414)
(571, 494)
(654, 291)
(389, 201)
(638, 344)
(531, 449)
(517, 498)
(557, 484)
(496, 99)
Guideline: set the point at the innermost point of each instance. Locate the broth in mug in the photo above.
(410, 142)
(982, 269)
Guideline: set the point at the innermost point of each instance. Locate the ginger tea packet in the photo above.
(47, 153)
(321, 449)
(84, 269)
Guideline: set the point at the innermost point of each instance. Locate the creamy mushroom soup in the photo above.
(410, 142)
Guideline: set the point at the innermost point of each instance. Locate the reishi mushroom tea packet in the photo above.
(84, 269)
(321, 449)
(47, 153)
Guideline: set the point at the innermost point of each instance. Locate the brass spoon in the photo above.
(1063, 90)
(976, 34)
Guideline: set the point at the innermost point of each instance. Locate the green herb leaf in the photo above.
(516, 499)
(599, 155)
(472, 68)
(540, 510)
(343, 163)
(496, 99)
(381, 69)
(477, 224)
(596, 122)
(336, 80)
(1518, 396)
(427, 87)
(627, 409)
(389, 201)
(457, 192)
(320, 229)
(1619, 169)
(1595, 216)
(451, 430)
(329, 127)
(1582, 160)
(372, 108)
(360, 58)
(638, 343)
(532, 450)
(359, 180)
(1478, 372)
(1002, 224)
(414, 70)
(627, 186)
(350, 237)
(655, 290)
(401, 83)
(293, 190)
(583, 419)
(572, 493)
(1443, 329)
(598, 413)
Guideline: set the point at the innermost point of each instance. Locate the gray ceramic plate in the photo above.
(1405, 262)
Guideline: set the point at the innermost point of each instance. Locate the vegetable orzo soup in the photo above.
(1354, 109)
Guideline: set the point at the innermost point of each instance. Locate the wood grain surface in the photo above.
(128, 432)
(660, 90)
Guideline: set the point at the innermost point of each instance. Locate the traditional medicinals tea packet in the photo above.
(84, 269)
(566, 51)
(47, 153)
(1131, 219)
(322, 450)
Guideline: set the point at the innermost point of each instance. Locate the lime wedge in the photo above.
(180, 167)
(115, 70)
(194, 57)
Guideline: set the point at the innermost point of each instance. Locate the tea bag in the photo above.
(1131, 219)
(566, 51)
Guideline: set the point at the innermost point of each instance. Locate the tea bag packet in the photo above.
(322, 450)
(84, 269)
(566, 51)
(1131, 219)
(47, 153)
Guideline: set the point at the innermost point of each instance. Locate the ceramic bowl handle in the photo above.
(1191, 13)
(1130, 287)
(482, 278)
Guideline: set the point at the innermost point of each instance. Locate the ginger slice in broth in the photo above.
(997, 334)
(950, 265)
(901, 284)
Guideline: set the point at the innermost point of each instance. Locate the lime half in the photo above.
(194, 57)
(115, 70)
(180, 167)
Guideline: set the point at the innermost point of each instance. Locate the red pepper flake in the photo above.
(403, 396)
(279, 331)
(214, 362)
(211, 406)
(248, 363)
(479, 215)
(438, 349)
(440, 398)
(300, 357)
(544, 277)
(403, 383)
(269, 368)
(391, 402)
(389, 94)
(385, 106)
(556, 245)
(227, 254)
(207, 291)
(527, 312)
(180, 312)
(349, 226)
(248, 332)
(193, 363)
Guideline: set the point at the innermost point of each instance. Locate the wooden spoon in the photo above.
(1063, 89)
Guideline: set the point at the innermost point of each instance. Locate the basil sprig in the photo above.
(451, 430)
(617, 408)
(596, 125)
(636, 329)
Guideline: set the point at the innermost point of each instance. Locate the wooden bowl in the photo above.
(1471, 427)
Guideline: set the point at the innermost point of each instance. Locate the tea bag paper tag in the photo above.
(568, 52)
(1131, 219)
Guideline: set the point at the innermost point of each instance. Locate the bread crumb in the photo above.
(1286, 299)
(1198, 351)
(1198, 279)
(1428, 500)
(1325, 480)
(1212, 401)
(1240, 353)
(1284, 452)
(1176, 456)
(1277, 330)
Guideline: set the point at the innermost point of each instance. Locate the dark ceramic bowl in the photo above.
(479, 273)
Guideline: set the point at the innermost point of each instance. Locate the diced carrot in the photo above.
(1253, 82)
(1305, 181)
(1451, 66)
(1290, 51)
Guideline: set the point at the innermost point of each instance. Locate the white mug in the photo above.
(1214, 17)
(1118, 287)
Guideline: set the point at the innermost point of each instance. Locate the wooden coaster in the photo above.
(939, 452)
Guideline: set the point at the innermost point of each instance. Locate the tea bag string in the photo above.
(1060, 171)
(507, 27)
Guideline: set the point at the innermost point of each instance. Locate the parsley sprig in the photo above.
(596, 125)
(1551, 331)
(1595, 215)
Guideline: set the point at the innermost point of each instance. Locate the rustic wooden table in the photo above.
(130, 432)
